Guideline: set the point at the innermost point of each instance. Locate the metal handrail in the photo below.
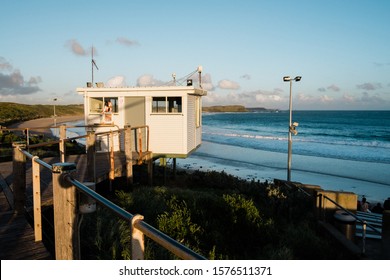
(159, 237)
(162, 239)
(350, 213)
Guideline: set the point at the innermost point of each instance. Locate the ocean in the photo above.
(337, 150)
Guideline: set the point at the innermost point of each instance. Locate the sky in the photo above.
(340, 48)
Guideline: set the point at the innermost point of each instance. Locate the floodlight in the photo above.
(297, 78)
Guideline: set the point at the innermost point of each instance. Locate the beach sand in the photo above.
(42, 126)
(362, 178)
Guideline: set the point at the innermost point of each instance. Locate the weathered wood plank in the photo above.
(17, 239)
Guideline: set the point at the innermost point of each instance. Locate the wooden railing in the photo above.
(131, 139)
(66, 213)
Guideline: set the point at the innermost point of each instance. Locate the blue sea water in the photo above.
(339, 150)
(351, 135)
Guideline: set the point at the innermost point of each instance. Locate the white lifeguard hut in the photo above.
(172, 113)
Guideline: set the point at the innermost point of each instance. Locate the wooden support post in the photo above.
(28, 139)
(386, 234)
(19, 177)
(137, 240)
(112, 159)
(91, 150)
(174, 168)
(62, 142)
(65, 213)
(37, 199)
(150, 171)
(128, 155)
(140, 144)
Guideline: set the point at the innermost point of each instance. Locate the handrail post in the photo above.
(37, 199)
(364, 237)
(91, 148)
(137, 239)
(386, 234)
(112, 160)
(65, 213)
(19, 177)
(128, 155)
(62, 142)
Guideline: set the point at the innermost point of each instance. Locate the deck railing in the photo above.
(130, 139)
(365, 224)
(66, 215)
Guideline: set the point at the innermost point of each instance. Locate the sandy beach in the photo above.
(42, 126)
(330, 174)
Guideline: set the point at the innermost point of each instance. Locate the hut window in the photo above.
(168, 105)
(174, 104)
(97, 104)
(159, 105)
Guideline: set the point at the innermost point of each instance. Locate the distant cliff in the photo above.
(228, 108)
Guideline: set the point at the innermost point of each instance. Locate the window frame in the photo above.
(167, 105)
(100, 102)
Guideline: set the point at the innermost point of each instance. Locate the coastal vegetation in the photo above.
(229, 108)
(215, 214)
(14, 112)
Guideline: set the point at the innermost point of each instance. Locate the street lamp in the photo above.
(54, 111)
(292, 126)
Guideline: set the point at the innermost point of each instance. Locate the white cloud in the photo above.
(207, 82)
(126, 42)
(118, 81)
(257, 98)
(306, 98)
(227, 84)
(148, 80)
(76, 48)
(326, 99)
(349, 98)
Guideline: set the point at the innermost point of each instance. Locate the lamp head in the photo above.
(297, 78)
(286, 79)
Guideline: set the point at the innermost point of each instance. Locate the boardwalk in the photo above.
(17, 241)
(16, 234)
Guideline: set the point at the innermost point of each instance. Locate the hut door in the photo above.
(135, 111)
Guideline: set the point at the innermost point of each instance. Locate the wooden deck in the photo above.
(16, 234)
(17, 240)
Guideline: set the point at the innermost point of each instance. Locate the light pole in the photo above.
(54, 111)
(291, 126)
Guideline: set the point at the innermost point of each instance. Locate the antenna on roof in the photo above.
(200, 68)
(93, 63)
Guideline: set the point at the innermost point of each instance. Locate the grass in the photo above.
(13, 112)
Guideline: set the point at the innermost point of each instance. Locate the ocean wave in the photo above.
(322, 140)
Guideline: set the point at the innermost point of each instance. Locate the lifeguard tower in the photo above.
(173, 114)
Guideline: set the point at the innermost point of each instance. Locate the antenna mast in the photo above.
(93, 63)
